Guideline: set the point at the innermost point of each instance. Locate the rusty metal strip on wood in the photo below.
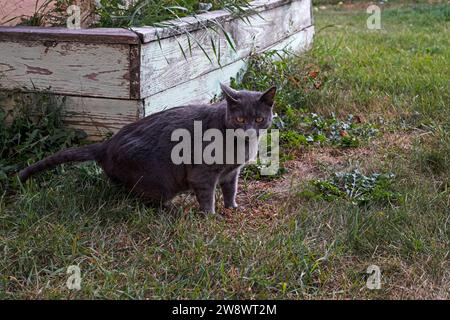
(135, 71)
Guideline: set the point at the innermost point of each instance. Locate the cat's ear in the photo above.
(230, 94)
(268, 96)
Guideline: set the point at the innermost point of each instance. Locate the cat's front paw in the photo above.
(207, 211)
(211, 214)
(231, 205)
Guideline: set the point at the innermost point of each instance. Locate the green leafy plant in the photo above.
(312, 128)
(355, 187)
(115, 13)
(343, 133)
(253, 172)
(33, 131)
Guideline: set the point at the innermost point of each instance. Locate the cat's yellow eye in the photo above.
(240, 119)
(259, 119)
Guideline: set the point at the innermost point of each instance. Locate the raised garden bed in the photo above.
(110, 76)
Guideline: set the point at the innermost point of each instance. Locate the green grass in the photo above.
(282, 244)
(145, 12)
(114, 13)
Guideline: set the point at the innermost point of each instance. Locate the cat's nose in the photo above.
(250, 130)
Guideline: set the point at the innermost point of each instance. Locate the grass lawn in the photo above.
(300, 235)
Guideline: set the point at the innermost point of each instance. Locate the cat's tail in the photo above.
(90, 152)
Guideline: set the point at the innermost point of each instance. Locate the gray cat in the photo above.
(139, 155)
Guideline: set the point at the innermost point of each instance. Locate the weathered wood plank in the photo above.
(207, 86)
(190, 23)
(96, 116)
(298, 42)
(271, 26)
(99, 117)
(95, 35)
(70, 68)
(163, 65)
(200, 90)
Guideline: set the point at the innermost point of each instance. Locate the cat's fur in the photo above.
(139, 155)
